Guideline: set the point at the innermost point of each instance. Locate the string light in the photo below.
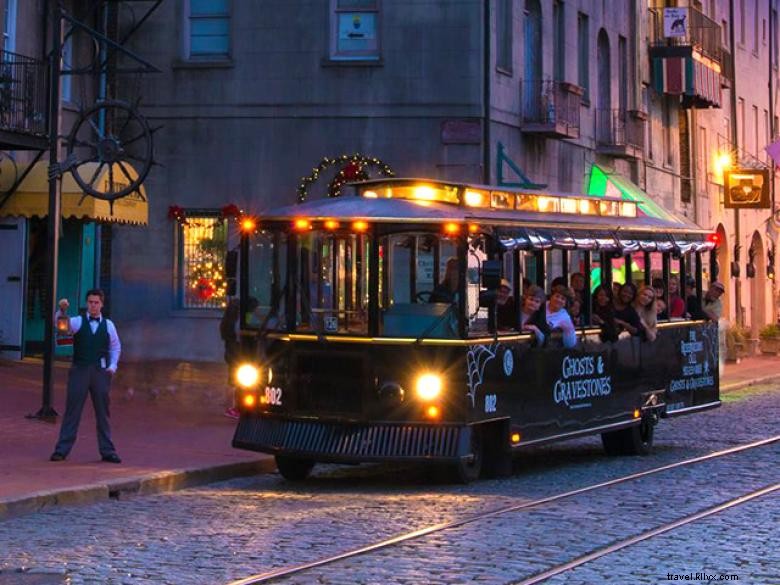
(354, 167)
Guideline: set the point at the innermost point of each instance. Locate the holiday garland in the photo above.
(354, 167)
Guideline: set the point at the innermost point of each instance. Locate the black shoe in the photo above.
(57, 457)
(113, 458)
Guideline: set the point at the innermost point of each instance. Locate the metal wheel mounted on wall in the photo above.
(116, 137)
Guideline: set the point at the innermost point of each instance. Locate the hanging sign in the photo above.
(675, 22)
(746, 189)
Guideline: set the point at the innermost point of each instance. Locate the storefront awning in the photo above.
(31, 199)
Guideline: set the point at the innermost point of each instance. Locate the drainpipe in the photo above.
(737, 236)
(772, 129)
(486, 93)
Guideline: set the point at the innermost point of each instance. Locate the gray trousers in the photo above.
(96, 381)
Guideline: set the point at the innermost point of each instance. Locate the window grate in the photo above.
(203, 246)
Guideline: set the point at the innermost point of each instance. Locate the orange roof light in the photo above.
(360, 226)
(473, 228)
(302, 224)
(451, 228)
(248, 224)
(331, 224)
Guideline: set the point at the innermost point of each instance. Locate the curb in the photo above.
(162, 482)
(750, 382)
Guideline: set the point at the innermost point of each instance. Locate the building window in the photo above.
(583, 42)
(202, 246)
(355, 29)
(667, 123)
(9, 26)
(209, 26)
(559, 41)
(504, 26)
(66, 87)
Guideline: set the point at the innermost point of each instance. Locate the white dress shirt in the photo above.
(114, 345)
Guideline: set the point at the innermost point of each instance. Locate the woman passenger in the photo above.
(532, 317)
(645, 305)
(626, 316)
(604, 312)
(558, 317)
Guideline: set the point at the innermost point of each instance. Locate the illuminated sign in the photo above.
(746, 188)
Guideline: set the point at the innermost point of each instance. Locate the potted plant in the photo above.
(736, 343)
(770, 339)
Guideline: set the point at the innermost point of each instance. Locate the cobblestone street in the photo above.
(233, 529)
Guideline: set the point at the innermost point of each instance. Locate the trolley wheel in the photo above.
(468, 470)
(293, 468)
(636, 440)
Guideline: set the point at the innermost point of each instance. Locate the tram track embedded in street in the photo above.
(285, 572)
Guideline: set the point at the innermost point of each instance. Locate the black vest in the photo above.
(89, 347)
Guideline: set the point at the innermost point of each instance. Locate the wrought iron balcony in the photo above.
(697, 31)
(23, 101)
(620, 133)
(550, 108)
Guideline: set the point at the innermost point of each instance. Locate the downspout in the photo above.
(486, 93)
(771, 122)
(737, 244)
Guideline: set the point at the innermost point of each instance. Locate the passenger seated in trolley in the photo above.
(645, 306)
(447, 290)
(604, 313)
(502, 312)
(626, 316)
(532, 314)
(558, 317)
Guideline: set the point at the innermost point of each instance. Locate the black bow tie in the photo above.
(94, 319)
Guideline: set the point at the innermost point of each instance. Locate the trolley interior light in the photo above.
(627, 209)
(247, 375)
(424, 193)
(568, 206)
(370, 194)
(475, 198)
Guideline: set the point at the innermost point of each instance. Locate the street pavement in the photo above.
(168, 426)
(226, 530)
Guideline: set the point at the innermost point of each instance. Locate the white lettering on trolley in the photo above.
(491, 402)
(695, 374)
(273, 395)
(577, 382)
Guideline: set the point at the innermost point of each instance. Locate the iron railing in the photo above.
(549, 102)
(698, 31)
(616, 127)
(23, 94)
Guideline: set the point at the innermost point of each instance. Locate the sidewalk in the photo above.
(167, 425)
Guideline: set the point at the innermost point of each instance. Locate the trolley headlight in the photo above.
(247, 375)
(428, 386)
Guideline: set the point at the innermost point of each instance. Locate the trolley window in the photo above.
(419, 282)
(267, 274)
(332, 282)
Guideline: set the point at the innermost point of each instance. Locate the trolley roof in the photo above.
(523, 218)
